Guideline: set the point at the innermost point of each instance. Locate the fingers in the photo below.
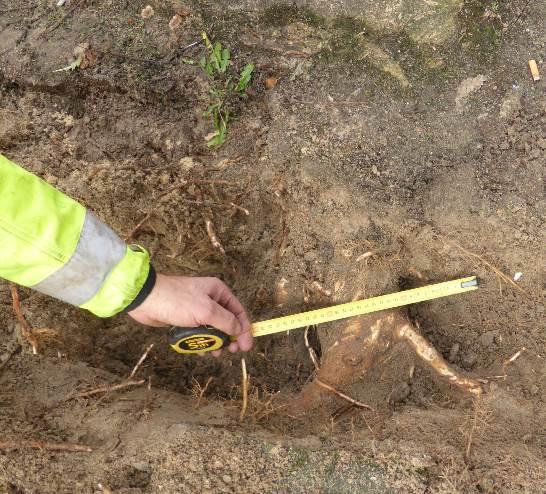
(219, 292)
(215, 315)
(222, 294)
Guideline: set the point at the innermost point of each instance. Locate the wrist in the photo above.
(145, 291)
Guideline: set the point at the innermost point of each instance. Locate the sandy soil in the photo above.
(422, 141)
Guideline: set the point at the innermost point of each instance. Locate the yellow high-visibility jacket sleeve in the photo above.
(52, 244)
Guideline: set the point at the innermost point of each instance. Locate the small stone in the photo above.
(534, 389)
(469, 360)
(487, 339)
(454, 352)
(400, 392)
(504, 146)
(542, 143)
(186, 163)
(226, 478)
(142, 466)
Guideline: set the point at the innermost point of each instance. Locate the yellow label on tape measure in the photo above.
(366, 306)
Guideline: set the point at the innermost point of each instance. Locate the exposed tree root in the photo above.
(342, 395)
(26, 330)
(107, 389)
(244, 389)
(428, 354)
(364, 342)
(127, 383)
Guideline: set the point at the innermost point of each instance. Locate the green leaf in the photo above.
(206, 66)
(219, 138)
(226, 55)
(244, 78)
(217, 56)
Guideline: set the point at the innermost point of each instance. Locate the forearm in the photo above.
(54, 245)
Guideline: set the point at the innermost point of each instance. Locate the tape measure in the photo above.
(206, 338)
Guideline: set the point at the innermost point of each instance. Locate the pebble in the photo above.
(400, 392)
(226, 478)
(142, 466)
(469, 360)
(454, 352)
(487, 339)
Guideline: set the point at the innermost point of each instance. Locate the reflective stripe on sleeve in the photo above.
(98, 252)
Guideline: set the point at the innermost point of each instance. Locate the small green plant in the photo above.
(225, 87)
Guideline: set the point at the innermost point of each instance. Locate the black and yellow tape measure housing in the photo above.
(187, 340)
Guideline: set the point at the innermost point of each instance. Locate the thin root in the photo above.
(138, 226)
(26, 330)
(472, 429)
(244, 390)
(213, 237)
(511, 360)
(507, 279)
(199, 391)
(140, 362)
(343, 395)
(240, 208)
(312, 353)
(107, 389)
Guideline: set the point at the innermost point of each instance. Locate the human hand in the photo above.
(191, 302)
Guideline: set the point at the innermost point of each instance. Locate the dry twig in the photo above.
(244, 390)
(45, 445)
(342, 395)
(26, 330)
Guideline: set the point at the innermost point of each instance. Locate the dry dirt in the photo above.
(423, 141)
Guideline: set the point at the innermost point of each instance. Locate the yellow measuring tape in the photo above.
(366, 306)
(198, 340)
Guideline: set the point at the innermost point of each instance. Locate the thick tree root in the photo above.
(365, 342)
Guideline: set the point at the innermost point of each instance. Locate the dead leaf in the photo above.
(175, 22)
(147, 12)
(90, 58)
(182, 12)
(271, 82)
